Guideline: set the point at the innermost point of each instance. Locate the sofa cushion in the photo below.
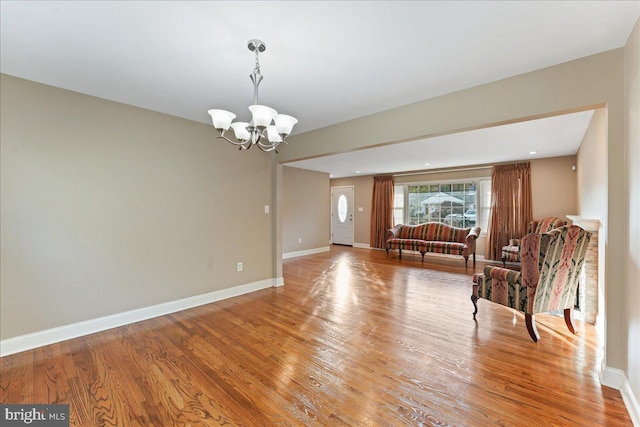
(446, 247)
(407, 244)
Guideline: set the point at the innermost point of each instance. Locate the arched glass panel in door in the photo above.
(342, 208)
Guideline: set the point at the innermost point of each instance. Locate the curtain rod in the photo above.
(443, 171)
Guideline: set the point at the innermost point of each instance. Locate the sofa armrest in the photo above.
(393, 233)
(503, 274)
(503, 286)
(470, 240)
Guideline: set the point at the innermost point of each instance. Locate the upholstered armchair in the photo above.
(511, 252)
(548, 281)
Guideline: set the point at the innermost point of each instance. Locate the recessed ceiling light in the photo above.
(357, 171)
(533, 152)
(427, 164)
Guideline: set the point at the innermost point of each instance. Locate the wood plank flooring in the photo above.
(352, 339)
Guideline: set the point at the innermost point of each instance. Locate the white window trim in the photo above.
(476, 180)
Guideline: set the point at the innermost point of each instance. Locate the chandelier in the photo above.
(260, 131)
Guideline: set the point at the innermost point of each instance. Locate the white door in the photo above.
(342, 215)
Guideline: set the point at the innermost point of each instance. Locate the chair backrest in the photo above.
(552, 264)
(545, 224)
(435, 231)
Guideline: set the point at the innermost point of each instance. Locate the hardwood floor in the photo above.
(352, 339)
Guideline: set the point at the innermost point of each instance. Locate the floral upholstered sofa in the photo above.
(434, 237)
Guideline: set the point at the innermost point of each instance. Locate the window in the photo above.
(398, 204)
(484, 197)
(458, 203)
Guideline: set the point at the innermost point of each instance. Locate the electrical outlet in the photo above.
(299, 239)
(239, 266)
(266, 208)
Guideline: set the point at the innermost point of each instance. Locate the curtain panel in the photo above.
(381, 210)
(511, 206)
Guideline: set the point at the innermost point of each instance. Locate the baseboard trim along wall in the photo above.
(362, 245)
(75, 330)
(305, 252)
(615, 378)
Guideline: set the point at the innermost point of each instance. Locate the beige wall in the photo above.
(592, 169)
(586, 83)
(592, 194)
(553, 187)
(306, 210)
(632, 223)
(107, 208)
(362, 194)
(549, 198)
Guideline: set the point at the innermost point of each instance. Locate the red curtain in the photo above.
(381, 210)
(511, 208)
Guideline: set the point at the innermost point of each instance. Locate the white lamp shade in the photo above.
(240, 131)
(272, 134)
(262, 115)
(221, 118)
(284, 124)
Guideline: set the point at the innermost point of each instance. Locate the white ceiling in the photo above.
(326, 62)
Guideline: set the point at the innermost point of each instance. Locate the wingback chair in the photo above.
(548, 281)
(511, 252)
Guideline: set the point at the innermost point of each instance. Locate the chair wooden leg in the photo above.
(568, 319)
(422, 258)
(466, 259)
(387, 251)
(474, 258)
(504, 262)
(474, 300)
(531, 327)
(399, 253)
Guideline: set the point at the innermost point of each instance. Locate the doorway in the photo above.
(342, 215)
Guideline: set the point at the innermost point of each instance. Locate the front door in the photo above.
(342, 215)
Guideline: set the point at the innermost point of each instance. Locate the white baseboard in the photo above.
(615, 378)
(631, 402)
(75, 330)
(362, 245)
(305, 252)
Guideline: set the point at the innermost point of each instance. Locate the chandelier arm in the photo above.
(267, 149)
(274, 144)
(231, 141)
